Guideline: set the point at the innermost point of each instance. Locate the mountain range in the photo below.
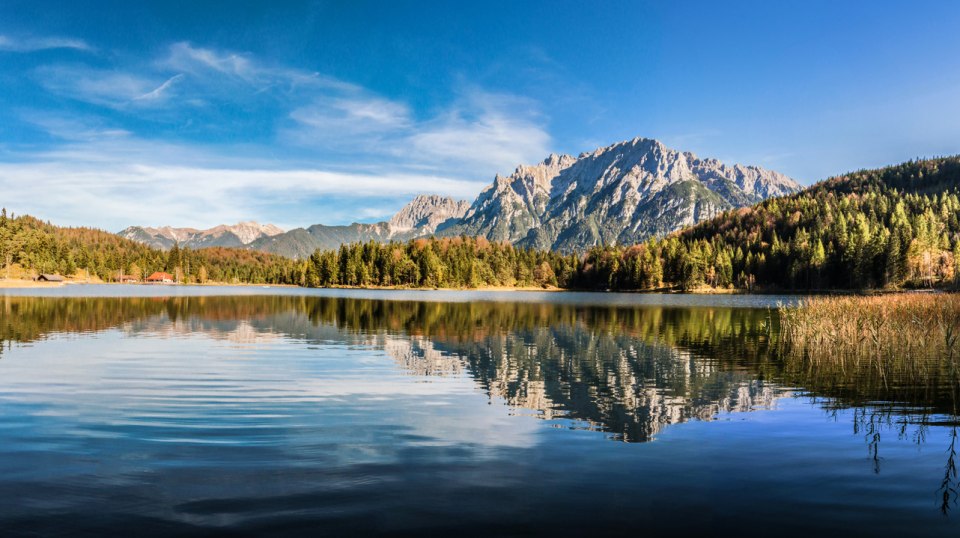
(423, 216)
(237, 235)
(622, 193)
(619, 194)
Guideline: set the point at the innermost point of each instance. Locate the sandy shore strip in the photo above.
(16, 283)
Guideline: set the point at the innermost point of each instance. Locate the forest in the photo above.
(892, 228)
(39, 247)
(458, 262)
(896, 227)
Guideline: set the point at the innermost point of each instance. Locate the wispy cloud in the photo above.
(484, 129)
(109, 88)
(359, 154)
(342, 118)
(210, 79)
(224, 66)
(74, 128)
(185, 57)
(481, 131)
(31, 44)
(158, 92)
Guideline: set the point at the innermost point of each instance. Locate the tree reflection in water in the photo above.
(626, 371)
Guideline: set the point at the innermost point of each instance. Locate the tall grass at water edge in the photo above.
(904, 338)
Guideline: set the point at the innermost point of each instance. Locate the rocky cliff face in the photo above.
(166, 237)
(512, 206)
(425, 213)
(622, 193)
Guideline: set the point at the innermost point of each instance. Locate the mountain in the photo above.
(426, 213)
(620, 194)
(421, 217)
(894, 227)
(165, 237)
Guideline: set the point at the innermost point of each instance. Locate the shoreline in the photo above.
(32, 284)
(28, 284)
(14, 283)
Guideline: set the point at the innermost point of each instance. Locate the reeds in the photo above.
(902, 338)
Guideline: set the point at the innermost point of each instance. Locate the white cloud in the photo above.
(30, 44)
(134, 184)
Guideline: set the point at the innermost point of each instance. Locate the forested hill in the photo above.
(929, 176)
(893, 227)
(30, 246)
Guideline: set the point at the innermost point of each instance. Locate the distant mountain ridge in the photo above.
(422, 216)
(620, 194)
(237, 235)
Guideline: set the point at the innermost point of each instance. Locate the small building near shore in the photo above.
(159, 278)
(127, 279)
(49, 278)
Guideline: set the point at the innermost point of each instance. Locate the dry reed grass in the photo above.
(906, 337)
(897, 348)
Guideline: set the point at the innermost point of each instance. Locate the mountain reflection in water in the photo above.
(626, 371)
(629, 372)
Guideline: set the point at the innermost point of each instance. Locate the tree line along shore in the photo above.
(887, 229)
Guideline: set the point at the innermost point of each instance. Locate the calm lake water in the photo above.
(248, 411)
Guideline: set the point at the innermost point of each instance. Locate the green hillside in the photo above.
(888, 228)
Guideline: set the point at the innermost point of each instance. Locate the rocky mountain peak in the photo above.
(426, 212)
(620, 193)
(558, 161)
(250, 231)
(224, 235)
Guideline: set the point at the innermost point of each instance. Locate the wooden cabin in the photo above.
(49, 278)
(159, 278)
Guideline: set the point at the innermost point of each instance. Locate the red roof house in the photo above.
(159, 277)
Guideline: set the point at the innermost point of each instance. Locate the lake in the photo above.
(252, 411)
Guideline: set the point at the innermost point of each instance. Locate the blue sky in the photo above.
(200, 113)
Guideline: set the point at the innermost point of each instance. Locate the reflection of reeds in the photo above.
(949, 487)
(904, 338)
(885, 352)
